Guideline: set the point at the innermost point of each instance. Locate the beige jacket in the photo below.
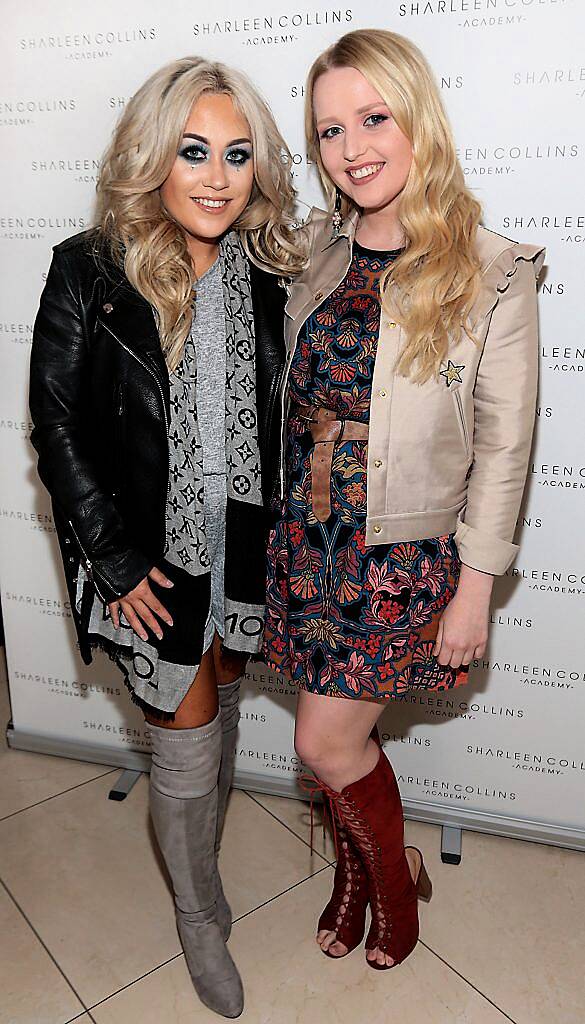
(450, 455)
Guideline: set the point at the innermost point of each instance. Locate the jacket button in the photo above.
(377, 529)
(377, 463)
(382, 393)
(318, 296)
(391, 323)
(107, 307)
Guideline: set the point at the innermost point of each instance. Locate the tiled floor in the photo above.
(87, 930)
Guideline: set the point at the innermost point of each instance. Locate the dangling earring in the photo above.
(337, 218)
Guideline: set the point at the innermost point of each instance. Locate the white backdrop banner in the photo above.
(508, 748)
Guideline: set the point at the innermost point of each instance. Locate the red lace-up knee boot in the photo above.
(370, 810)
(345, 912)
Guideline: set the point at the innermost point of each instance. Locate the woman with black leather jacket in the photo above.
(156, 359)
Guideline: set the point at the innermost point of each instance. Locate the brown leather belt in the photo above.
(326, 431)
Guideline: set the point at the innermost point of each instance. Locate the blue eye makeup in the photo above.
(238, 156)
(194, 152)
(198, 152)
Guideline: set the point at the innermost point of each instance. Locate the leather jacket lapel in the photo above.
(129, 317)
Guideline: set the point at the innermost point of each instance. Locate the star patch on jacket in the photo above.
(452, 373)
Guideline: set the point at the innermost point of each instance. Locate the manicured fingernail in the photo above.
(143, 636)
(159, 636)
(170, 622)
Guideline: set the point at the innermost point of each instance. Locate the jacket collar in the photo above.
(125, 313)
(322, 274)
(347, 230)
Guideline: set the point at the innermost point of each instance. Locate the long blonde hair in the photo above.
(433, 283)
(142, 237)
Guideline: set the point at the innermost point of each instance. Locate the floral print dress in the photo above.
(343, 618)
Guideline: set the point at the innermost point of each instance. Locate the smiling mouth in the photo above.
(367, 171)
(210, 204)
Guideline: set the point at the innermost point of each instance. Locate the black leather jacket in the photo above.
(99, 399)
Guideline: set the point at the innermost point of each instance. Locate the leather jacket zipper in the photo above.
(119, 436)
(274, 390)
(90, 569)
(149, 370)
(146, 367)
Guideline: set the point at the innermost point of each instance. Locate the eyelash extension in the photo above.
(243, 155)
(196, 152)
(187, 152)
(383, 117)
(325, 134)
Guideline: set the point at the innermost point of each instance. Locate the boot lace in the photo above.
(346, 818)
(346, 857)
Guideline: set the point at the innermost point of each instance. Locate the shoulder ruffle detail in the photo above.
(500, 271)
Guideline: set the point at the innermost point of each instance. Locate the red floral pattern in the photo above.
(344, 618)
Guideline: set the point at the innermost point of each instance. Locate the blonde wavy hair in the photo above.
(434, 282)
(142, 237)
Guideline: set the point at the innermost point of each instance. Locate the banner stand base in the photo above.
(19, 739)
(126, 780)
(450, 845)
(415, 810)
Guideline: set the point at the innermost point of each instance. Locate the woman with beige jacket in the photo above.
(409, 398)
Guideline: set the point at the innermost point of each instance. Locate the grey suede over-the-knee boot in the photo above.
(183, 805)
(229, 699)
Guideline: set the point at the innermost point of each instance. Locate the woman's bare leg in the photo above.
(199, 705)
(229, 665)
(332, 737)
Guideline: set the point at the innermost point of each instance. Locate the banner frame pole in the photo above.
(501, 825)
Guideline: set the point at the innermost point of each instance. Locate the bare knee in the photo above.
(307, 748)
(332, 738)
(321, 754)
